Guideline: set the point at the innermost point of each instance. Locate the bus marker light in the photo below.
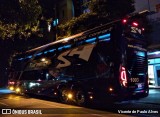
(124, 21)
(110, 89)
(135, 24)
(91, 97)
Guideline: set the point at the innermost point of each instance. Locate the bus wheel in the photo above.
(80, 98)
(63, 95)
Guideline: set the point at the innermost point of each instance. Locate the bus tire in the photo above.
(80, 98)
(63, 95)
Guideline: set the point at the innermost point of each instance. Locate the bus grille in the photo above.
(137, 65)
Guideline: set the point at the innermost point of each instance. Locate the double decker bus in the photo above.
(106, 63)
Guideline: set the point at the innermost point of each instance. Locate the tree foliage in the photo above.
(112, 8)
(77, 24)
(101, 11)
(18, 21)
(18, 17)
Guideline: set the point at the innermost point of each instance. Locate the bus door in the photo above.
(47, 83)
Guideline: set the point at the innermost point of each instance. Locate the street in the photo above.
(149, 106)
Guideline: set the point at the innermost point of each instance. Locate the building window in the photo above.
(158, 7)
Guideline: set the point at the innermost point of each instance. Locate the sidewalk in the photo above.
(154, 91)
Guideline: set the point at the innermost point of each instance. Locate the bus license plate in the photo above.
(140, 85)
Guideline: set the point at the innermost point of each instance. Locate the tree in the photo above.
(101, 11)
(77, 24)
(18, 17)
(18, 21)
(112, 8)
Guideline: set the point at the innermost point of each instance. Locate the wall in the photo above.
(154, 18)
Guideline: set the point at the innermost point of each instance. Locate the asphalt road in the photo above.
(42, 106)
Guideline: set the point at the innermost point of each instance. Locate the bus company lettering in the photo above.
(136, 47)
(84, 53)
(95, 33)
(101, 32)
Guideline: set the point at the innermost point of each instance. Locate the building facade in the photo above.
(67, 9)
(154, 68)
(154, 37)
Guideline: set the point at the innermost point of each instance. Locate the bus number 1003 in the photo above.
(134, 79)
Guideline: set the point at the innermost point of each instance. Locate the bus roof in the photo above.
(70, 37)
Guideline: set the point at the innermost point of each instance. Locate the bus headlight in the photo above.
(11, 88)
(18, 90)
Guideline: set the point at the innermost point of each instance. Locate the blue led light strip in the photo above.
(39, 54)
(52, 50)
(67, 46)
(105, 37)
(90, 40)
(29, 56)
(60, 48)
(20, 59)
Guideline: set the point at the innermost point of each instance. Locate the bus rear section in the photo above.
(136, 70)
(120, 74)
(130, 65)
